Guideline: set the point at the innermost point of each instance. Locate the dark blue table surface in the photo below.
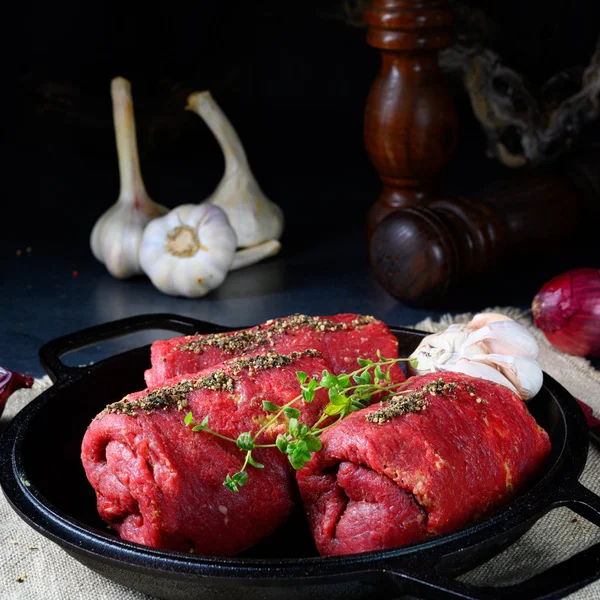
(57, 287)
(45, 294)
(48, 292)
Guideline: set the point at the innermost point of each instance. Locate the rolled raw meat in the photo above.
(448, 450)
(159, 483)
(340, 338)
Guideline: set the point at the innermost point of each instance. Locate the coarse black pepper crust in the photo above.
(415, 401)
(243, 341)
(219, 380)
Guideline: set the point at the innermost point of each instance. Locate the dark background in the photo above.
(292, 77)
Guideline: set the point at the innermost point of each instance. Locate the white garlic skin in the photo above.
(189, 251)
(252, 215)
(249, 256)
(490, 346)
(116, 236)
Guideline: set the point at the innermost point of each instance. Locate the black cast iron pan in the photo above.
(42, 477)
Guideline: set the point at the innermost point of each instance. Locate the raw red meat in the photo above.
(160, 484)
(341, 338)
(377, 485)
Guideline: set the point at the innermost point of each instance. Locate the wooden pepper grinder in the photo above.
(410, 120)
(420, 254)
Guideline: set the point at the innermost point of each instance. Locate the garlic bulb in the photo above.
(252, 215)
(189, 251)
(116, 237)
(490, 346)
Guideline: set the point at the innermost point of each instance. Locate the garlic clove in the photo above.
(438, 348)
(189, 251)
(482, 370)
(252, 215)
(524, 373)
(482, 319)
(117, 235)
(249, 256)
(490, 346)
(502, 337)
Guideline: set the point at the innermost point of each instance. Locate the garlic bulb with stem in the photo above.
(490, 346)
(116, 237)
(189, 251)
(252, 215)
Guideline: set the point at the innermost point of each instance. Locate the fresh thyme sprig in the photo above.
(348, 392)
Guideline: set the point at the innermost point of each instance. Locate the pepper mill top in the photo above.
(410, 125)
(409, 24)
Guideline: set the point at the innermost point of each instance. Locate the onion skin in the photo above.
(567, 310)
(11, 382)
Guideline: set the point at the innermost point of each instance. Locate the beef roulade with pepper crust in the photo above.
(159, 483)
(446, 451)
(340, 338)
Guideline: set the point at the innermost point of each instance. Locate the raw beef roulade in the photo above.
(159, 483)
(340, 338)
(449, 450)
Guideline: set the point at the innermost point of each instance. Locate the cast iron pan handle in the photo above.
(557, 581)
(51, 353)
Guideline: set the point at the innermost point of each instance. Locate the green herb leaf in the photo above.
(328, 380)
(255, 463)
(189, 419)
(365, 378)
(198, 427)
(313, 443)
(300, 455)
(303, 430)
(312, 384)
(332, 409)
(344, 381)
(338, 400)
(291, 413)
(281, 443)
(205, 422)
(244, 441)
(293, 427)
(230, 484)
(414, 362)
(355, 405)
(302, 376)
(364, 362)
(308, 395)
(235, 482)
(270, 406)
(240, 477)
(379, 373)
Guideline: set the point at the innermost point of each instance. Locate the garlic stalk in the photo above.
(490, 346)
(253, 216)
(116, 237)
(189, 251)
(254, 254)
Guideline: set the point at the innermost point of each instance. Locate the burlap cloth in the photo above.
(34, 568)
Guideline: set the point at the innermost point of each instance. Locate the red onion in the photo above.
(567, 310)
(11, 382)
